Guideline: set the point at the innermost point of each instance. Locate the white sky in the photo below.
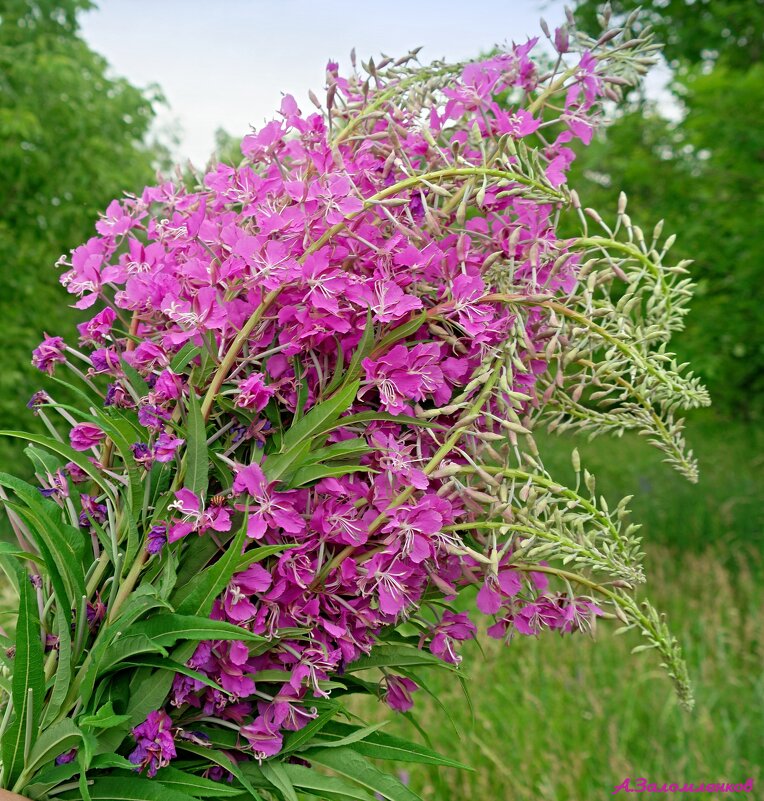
(225, 63)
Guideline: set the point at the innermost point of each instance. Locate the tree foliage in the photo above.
(72, 136)
(695, 30)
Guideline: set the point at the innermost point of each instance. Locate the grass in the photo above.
(568, 719)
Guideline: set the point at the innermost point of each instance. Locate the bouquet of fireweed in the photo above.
(301, 422)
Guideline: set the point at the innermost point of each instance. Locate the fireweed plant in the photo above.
(305, 423)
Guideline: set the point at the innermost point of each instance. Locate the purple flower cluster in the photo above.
(299, 247)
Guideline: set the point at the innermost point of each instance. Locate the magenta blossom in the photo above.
(397, 692)
(271, 509)
(155, 743)
(194, 517)
(253, 393)
(165, 447)
(48, 354)
(84, 436)
(451, 629)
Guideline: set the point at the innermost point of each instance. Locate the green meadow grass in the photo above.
(568, 719)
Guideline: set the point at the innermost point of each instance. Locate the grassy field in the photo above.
(568, 719)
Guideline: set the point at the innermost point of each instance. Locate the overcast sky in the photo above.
(225, 63)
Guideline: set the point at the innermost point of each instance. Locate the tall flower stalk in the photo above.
(305, 420)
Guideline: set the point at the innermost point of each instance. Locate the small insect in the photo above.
(218, 500)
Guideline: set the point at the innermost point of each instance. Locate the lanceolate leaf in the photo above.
(393, 655)
(220, 758)
(320, 414)
(274, 772)
(61, 545)
(167, 629)
(28, 684)
(198, 786)
(9, 549)
(197, 464)
(59, 738)
(351, 764)
(129, 788)
(80, 459)
(63, 675)
(205, 587)
(363, 350)
(296, 740)
(381, 745)
(322, 786)
(315, 472)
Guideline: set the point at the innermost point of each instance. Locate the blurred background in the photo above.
(96, 97)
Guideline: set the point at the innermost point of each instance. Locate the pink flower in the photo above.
(452, 628)
(496, 589)
(48, 354)
(84, 436)
(194, 517)
(271, 509)
(98, 328)
(165, 447)
(253, 393)
(237, 599)
(155, 743)
(265, 740)
(397, 692)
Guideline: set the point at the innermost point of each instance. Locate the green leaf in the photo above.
(331, 787)
(174, 667)
(274, 772)
(124, 648)
(403, 331)
(368, 417)
(175, 779)
(167, 629)
(9, 549)
(315, 472)
(354, 734)
(320, 414)
(395, 655)
(338, 371)
(197, 463)
(186, 354)
(105, 718)
(63, 675)
(278, 465)
(357, 446)
(198, 597)
(222, 759)
(53, 742)
(27, 684)
(259, 553)
(135, 379)
(61, 545)
(296, 740)
(351, 764)
(80, 459)
(381, 745)
(363, 350)
(129, 787)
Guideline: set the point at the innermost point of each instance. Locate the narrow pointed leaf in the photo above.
(197, 463)
(28, 683)
(352, 765)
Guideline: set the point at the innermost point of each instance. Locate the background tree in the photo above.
(72, 136)
(705, 175)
